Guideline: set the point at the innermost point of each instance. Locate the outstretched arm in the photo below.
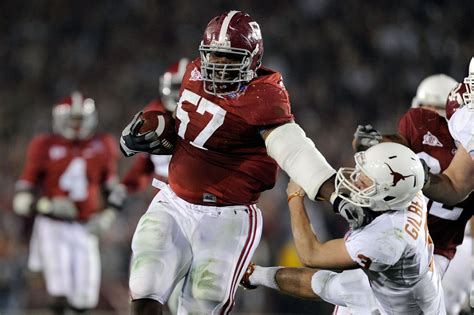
(455, 183)
(297, 155)
(313, 253)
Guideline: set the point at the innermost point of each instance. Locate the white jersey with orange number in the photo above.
(396, 252)
(461, 127)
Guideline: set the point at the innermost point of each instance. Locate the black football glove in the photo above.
(356, 216)
(426, 169)
(365, 137)
(131, 142)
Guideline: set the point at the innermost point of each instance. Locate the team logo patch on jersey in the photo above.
(195, 75)
(430, 139)
(206, 197)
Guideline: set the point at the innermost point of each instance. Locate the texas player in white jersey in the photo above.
(394, 250)
(424, 129)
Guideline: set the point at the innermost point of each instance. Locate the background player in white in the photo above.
(394, 250)
(67, 170)
(229, 105)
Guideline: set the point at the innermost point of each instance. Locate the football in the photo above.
(162, 122)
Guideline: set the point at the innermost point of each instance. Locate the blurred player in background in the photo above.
(394, 249)
(424, 129)
(232, 118)
(62, 182)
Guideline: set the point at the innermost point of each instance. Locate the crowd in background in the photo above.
(343, 62)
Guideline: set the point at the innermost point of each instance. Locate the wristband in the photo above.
(295, 194)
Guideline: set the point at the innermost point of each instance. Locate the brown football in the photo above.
(162, 122)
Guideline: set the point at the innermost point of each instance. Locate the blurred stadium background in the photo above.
(344, 63)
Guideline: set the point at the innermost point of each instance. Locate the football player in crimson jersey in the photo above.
(62, 180)
(424, 129)
(234, 127)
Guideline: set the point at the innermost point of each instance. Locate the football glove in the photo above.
(102, 221)
(365, 137)
(22, 202)
(117, 196)
(131, 142)
(426, 169)
(356, 216)
(59, 206)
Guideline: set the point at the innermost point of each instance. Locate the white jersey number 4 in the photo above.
(74, 180)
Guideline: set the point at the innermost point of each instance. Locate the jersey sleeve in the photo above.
(34, 168)
(407, 126)
(461, 128)
(376, 247)
(349, 288)
(139, 174)
(271, 103)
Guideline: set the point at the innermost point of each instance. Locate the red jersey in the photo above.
(220, 157)
(145, 166)
(428, 136)
(77, 169)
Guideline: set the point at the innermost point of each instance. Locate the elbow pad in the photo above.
(297, 155)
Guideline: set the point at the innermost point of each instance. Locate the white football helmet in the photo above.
(392, 173)
(170, 83)
(75, 117)
(468, 97)
(434, 91)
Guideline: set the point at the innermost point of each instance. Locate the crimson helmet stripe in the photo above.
(225, 25)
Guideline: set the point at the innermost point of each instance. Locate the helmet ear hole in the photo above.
(388, 198)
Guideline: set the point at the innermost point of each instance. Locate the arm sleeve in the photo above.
(375, 247)
(297, 155)
(349, 288)
(327, 286)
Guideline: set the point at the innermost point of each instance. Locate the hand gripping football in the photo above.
(162, 123)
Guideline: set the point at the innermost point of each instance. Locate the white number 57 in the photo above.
(203, 105)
